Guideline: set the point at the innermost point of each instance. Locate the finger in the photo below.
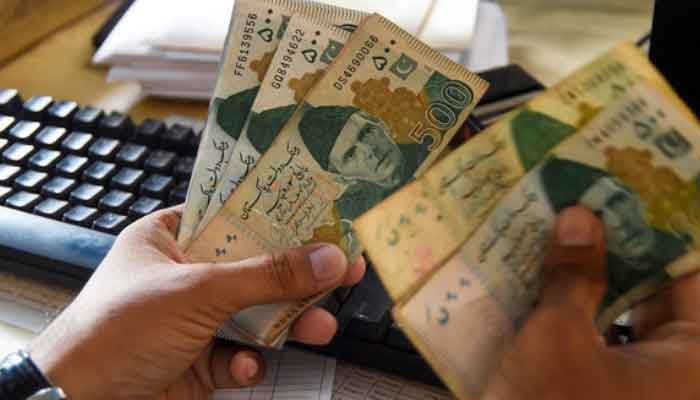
(575, 265)
(294, 274)
(155, 235)
(355, 272)
(677, 303)
(235, 366)
(315, 327)
(167, 219)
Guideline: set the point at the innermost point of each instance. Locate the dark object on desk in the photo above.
(674, 38)
(72, 177)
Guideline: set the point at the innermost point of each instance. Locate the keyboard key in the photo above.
(128, 179)
(86, 194)
(99, 172)
(72, 166)
(61, 113)
(24, 201)
(35, 108)
(52, 208)
(111, 223)
(50, 136)
(177, 138)
(160, 162)
(10, 101)
(149, 132)
(116, 201)
(31, 181)
(183, 168)
(8, 173)
(397, 339)
(4, 143)
(5, 123)
(59, 187)
(157, 186)
(132, 155)
(179, 194)
(144, 206)
(77, 142)
(44, 160)
(5, 192)
(104, 149)
(80, 215)
(194, 142)
(87, 118)
(18, 153)
(374, 304)
(24, 130)
(116, 125)
(367, 326)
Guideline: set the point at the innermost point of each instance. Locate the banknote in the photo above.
(378, 117)
(636, 166)
(307, 48)
(414, 231)
(257, 26)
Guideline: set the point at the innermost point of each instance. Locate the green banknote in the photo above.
(414, 231)
(636, 166)
(378, 117)
(308, 47)
(254, 34)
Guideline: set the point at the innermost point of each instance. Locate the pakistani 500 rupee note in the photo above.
(308, 47)
(255, 32)
(380, 115)
(415, 230)
(636, 165)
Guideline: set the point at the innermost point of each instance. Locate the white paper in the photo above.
(356, 383)
(290, 375)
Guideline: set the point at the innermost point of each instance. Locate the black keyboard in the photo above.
(72, 177)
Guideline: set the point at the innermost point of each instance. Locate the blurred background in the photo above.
(548, 38)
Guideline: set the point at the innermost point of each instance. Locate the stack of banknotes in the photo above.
(319, 113)
(460, 249)
(323, 125)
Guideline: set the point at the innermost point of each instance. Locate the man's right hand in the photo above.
(559, 353)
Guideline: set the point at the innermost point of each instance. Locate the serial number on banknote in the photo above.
(245, 45)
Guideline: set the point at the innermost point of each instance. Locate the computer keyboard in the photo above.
(72, 177)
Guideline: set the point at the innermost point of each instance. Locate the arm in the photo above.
(142, 327)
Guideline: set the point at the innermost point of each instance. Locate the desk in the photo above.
(549, 38)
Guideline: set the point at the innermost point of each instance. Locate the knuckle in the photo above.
(280, 272)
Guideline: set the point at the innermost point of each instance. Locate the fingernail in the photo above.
(250, 366)
(574, 230)
(327, 264)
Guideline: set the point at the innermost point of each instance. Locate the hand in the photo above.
(142, 327)
(559, 354)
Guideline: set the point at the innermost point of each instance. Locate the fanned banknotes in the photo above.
(635, 165)
(379, 116)
(415, 230)
(308, 47)
(256, 29)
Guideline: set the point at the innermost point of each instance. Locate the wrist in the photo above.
(54, 361)
(20, 379)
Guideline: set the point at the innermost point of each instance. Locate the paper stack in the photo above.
(172, 48)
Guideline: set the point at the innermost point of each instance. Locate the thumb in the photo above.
(293, 274)
(575, 274)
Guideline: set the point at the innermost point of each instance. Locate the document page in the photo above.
(290, 375)
(355, 383)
